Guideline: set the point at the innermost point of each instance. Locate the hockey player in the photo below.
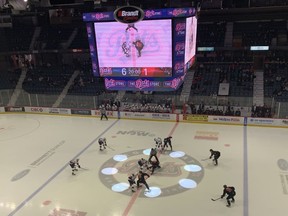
(77, 163)
(142, 179)
(131, 25)
(139, 46)
(158, 143)
(143, 164)
(132, 183)
(154, 165)
(103, 112)
(102, 143)
(167, 141)
(153, 153)
(215, 155)
(230, 191)
(73, 165)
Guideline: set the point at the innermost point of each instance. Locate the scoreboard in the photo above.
(143, 50)
(153, 54)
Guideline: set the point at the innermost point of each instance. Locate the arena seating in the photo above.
(267, 3)
(276, 77)
(80, 40)
(211, 34)
(11, 40)
(259, 33)
(9, 79)
(47, 80)
(52, 37)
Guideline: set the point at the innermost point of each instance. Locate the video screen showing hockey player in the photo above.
(146, 44)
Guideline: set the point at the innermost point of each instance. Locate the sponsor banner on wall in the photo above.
(65, 111)
(36, 109)
(80, 112)
(226, 120)
(2, 109)
(133, 115)
(54, 110)
(148, 116)
(267, 122)
(108, 113)
(48, 110)
(163, 116)
(14, 109)
(195, 118)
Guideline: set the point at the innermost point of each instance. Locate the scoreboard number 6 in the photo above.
(124, 72)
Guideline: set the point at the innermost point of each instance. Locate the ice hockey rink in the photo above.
(36, 179)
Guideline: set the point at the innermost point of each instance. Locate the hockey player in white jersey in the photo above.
(102, 143)
(73, 165)
(158, 143)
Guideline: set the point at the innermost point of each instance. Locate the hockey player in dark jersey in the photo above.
(154, 165)
(153, 153)
(215, 155)
(131, 26)
(230, 191)
(139, 45)
(142, 179)
(167, 141)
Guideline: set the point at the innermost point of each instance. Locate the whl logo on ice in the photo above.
(136, 133)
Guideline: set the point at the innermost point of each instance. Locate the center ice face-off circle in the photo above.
(180, 171)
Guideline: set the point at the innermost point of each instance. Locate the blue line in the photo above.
(58, 172)
(245, 175)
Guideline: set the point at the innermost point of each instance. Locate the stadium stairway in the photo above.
(66, 88)
(18, 89)
(120, 95)
(67, 44)
(258, 88)
(36, 34)
(229, 35)
(185, 93)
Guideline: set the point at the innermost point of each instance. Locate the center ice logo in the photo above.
(174, 170)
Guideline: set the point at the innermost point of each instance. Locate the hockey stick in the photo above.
(215, 199)
(205, 159)
(110, 148)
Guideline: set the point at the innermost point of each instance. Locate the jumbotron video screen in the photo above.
(143, 49)
(152, 54)
(190, 38)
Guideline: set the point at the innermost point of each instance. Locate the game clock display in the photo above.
(136, 72)
(143, 49)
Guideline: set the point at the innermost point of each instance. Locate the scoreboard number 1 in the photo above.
(145, 71)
